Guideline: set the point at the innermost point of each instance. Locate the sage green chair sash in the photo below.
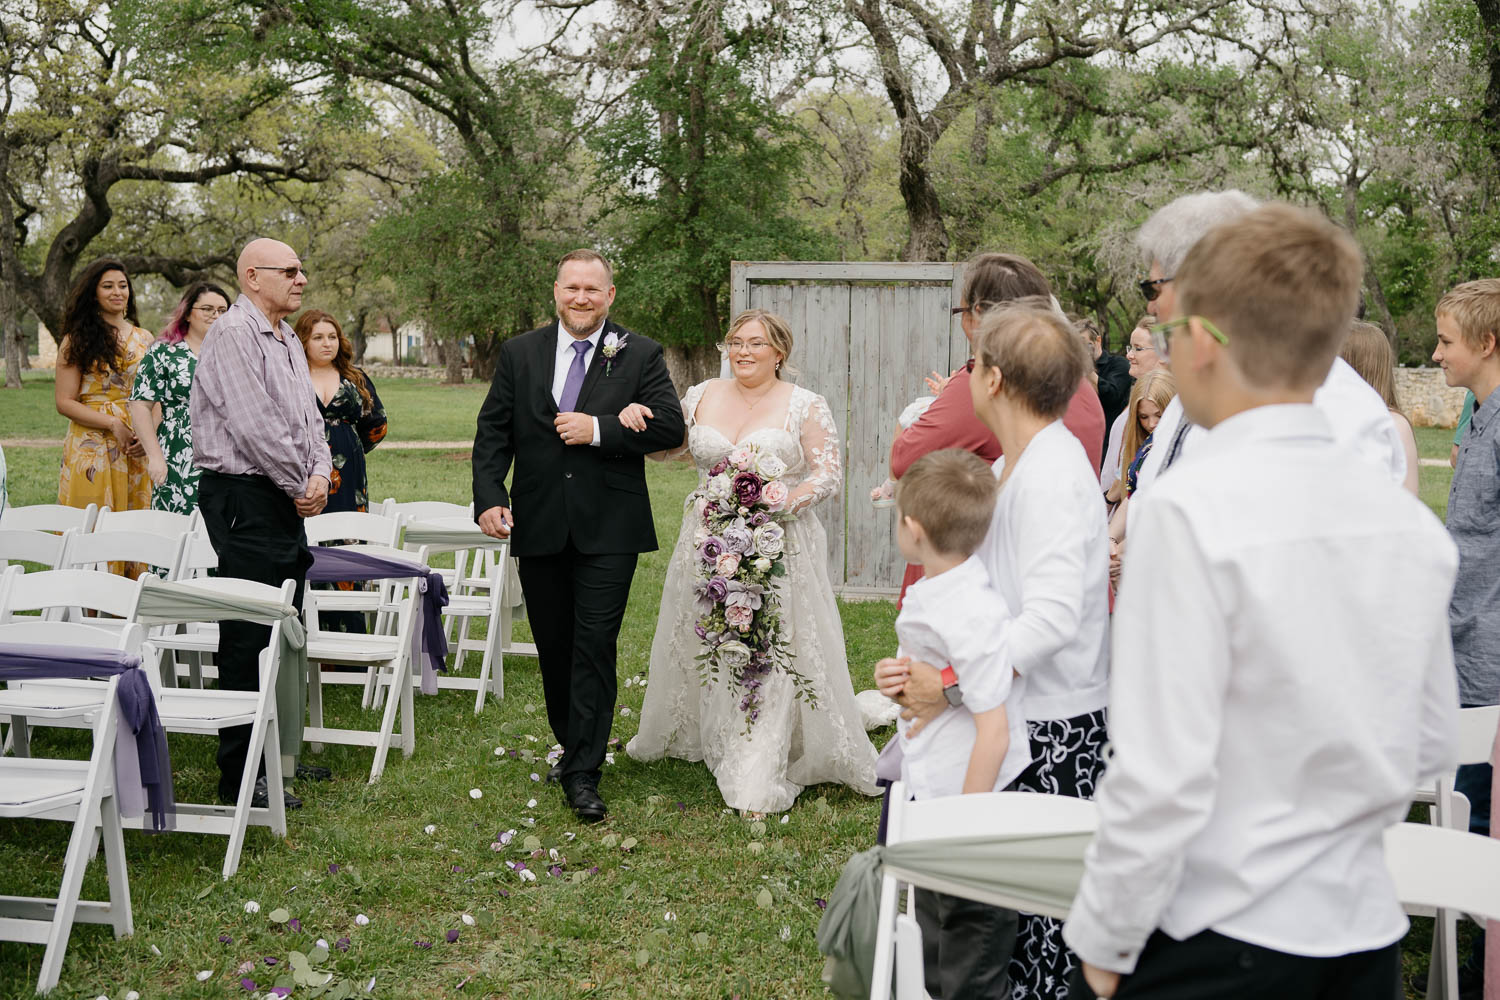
(173, 604)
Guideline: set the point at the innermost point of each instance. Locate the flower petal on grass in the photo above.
(251, 906)
(133, 995)
(361, 919)
(468, 919)
(535, 776)
(452, 936)
(225, 939)
(248, 984)
(205, 975)
(475, 793)
(422, 944)
(430, 829)
(342, 944)
(499, 751)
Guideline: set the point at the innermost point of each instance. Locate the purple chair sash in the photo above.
(332, 563)
(143, 770)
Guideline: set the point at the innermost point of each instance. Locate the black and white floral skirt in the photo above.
(1067, 758)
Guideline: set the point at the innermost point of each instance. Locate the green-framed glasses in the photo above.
(1162, 342)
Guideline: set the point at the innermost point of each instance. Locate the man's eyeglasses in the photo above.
(291, 272)
(211, 310)
(1151, 288)
(1162, 343)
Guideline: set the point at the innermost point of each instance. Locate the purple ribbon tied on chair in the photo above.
(332, 564)
(143, 770)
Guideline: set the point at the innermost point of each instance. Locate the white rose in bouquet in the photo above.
(770, 466)
(770, 540)
(734, 654)
(762, 565)
(742, 457)
(718, 487)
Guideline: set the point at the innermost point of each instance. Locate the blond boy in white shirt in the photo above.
(1274, 699)
(955, 618)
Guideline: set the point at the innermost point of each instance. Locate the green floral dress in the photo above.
(166, 377)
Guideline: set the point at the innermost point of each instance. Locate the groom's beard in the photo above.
(585, 329)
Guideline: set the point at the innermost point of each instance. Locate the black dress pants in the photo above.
(257, 533)
(576, 603)
(1210, 966)
(966, 947)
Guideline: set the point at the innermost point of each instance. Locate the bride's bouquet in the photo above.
(741, 551)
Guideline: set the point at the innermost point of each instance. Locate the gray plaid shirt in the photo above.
(1473, 506)
(253, 407)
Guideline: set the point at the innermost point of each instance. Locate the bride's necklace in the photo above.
(746, 396)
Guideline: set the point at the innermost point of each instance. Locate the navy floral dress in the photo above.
(352, 432)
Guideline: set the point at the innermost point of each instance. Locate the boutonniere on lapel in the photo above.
(613, 344)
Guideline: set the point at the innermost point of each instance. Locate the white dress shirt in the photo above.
(956, 618)
(1359, 417)
(564, 361)
(1282, 680)
(1047, 552)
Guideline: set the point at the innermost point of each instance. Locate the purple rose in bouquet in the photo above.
(711, 549)
(716, 590)
(746, 488)
(737, 539)
(719, 467)
(700, 631)
(758, 518)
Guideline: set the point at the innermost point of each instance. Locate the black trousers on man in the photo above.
(576, 602)
(966, 947)
(258, 535)
(1210, 966)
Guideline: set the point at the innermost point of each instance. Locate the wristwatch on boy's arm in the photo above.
(951, 690)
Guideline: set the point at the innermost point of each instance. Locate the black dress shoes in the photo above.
(555, 775)
(583, 796)
(260, 797)
(312, 772)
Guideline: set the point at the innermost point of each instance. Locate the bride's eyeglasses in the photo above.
(750, 346)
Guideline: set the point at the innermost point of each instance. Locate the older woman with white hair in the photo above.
(1357, 413)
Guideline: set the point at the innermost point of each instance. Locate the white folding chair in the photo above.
(156, 522)
(898, 938)
(1450, 808)
(60, 595)
(353, 528)
(32, 545)
(1442, 870)
(98, 549)
(471, 598)
(75, 791)
(387, 658)
(208, 712)
(50, 517)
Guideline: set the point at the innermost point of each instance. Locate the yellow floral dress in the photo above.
(94, 466)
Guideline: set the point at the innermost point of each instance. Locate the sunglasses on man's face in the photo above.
(1151, 288)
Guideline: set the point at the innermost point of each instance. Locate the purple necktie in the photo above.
(573, 384)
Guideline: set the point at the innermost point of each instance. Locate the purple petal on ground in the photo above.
(452, 936)
(342, 944)
(822, 903)
(295, 924)
(505, 893)
(270, 960)
(423, 944)
(225, 939)
(248, 984)
(333, 869)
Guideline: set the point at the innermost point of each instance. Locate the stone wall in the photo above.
(1426, 399)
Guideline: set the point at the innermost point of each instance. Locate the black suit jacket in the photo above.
(1114, 385)
(596, 495)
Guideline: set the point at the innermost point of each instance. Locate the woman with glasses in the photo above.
(102, 461)
(765, 749)
(1141, 354)
(159, 398)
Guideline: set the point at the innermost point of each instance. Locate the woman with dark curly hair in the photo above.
(352, 411)
(101, 346)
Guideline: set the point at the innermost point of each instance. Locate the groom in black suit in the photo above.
(575, 407)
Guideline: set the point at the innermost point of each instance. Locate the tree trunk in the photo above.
(395, 343)
(453, 361)
(1489, 17)
(1352, 182)
(928, 236)
(15, 338)
(357, 338)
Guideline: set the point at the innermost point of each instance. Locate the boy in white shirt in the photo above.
(1274, 699)
(953, 617)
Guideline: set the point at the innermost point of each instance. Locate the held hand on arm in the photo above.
(916, 686)
(664, 430)
(156, 463)
(1103, 982)
(314, 497)
(69, 382)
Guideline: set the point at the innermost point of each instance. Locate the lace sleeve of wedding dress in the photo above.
(820, 450)
(689, 407)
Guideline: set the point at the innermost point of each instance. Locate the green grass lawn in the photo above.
(600, 928)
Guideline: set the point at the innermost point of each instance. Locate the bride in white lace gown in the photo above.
(792, 744)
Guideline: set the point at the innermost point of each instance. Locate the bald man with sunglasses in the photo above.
(259, 438)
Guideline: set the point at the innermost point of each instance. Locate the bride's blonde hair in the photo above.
(777, 332)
